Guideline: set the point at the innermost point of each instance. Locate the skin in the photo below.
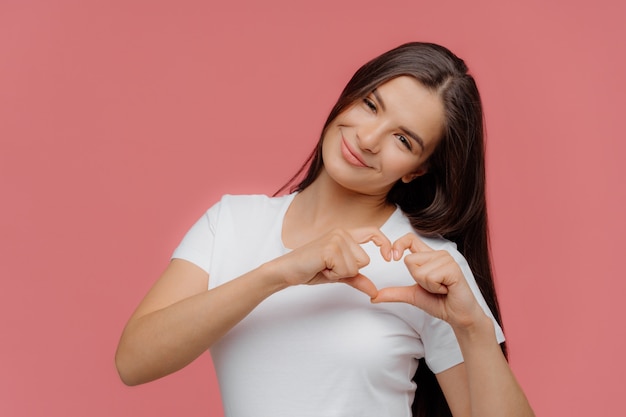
(392, 132)
(483, 385)
(374, 143)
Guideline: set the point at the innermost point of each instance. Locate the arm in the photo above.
(483, 385)
(179, 318)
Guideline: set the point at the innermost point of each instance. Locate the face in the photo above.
(386, 137)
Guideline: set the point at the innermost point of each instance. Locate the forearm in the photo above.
(493, 389)
(166, 340)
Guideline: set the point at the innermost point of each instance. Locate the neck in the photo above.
(326, 204)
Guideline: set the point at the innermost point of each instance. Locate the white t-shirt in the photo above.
(321, 350)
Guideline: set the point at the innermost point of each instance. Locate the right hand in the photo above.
(335, 257)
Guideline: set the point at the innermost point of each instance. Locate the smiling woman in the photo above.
(379, 133)
(398, 174)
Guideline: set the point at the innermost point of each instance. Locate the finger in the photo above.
(338, 258)
(353, 259)
(357, 257)
(425, 263)
(432, 281)
(434, 286)
(340, 267)
(411, 242)
(361, 283)
(372, 234)
(434, 271)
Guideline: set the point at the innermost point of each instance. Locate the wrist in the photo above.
(480, 327)
(274, 276)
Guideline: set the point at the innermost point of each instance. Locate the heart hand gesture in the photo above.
(441, 289)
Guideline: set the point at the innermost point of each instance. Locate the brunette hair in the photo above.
(449, 200)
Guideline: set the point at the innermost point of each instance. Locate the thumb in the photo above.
(396, 294)
(361, 283)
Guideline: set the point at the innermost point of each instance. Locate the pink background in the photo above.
(122, 121)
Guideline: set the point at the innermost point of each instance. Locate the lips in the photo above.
(351, 156)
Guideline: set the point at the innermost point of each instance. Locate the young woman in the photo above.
(398, 174)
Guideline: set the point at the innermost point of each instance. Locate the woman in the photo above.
(401, 151)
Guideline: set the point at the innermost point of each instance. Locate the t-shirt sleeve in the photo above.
(440, 345)
(197, 245)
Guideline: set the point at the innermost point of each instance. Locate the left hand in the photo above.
(441, 289)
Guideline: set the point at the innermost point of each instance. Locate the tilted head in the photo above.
(452, 191)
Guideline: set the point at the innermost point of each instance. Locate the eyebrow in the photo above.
(417, 138)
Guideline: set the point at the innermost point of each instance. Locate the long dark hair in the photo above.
(449, 200)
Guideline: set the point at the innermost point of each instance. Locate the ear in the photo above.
(417, 173)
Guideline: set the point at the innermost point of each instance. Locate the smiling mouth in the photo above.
(351, 156)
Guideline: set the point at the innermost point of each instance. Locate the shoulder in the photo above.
(237, 212)
(253, 201)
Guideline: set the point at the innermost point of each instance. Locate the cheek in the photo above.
(329, 138)
(405, 164)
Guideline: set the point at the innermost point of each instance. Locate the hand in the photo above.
(334, 257)
(441, 289)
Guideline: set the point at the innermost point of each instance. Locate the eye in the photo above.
(405, 141)
(370, 104)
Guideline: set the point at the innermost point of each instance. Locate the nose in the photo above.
(369, 137)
